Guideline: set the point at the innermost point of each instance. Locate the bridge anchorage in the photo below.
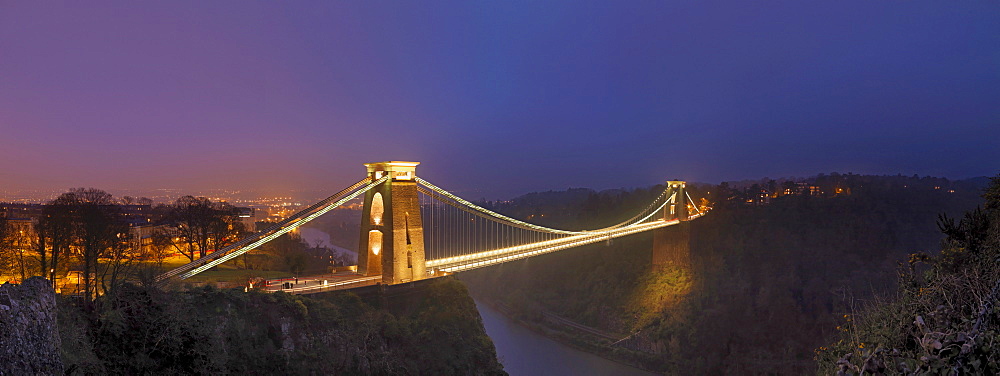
(413, 230)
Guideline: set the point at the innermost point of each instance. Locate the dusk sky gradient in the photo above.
(497, 98)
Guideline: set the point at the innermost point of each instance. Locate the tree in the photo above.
(7, 256)
(169, 236)
(129, 200)
(100, 230)
(193, 219)
(198, 225)
(54, 236)
(15, 240)
(22, 240)
(160, 246)
(225, 227)
(992, 194)
(120, 258)
(290, 253)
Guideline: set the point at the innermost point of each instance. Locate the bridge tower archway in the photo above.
(677, 208)
(672, 245)
(392, 234)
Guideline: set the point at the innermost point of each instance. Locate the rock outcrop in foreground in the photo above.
(206, 331)
(433, 330)
(29, 338)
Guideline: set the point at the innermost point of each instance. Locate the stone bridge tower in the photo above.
(392, 232)
(672, 244)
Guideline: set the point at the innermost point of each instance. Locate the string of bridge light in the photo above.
(276, 226)
(499, 232)
(694, 205)
(468, 261)
(549, 244)
(276, 230)
(497, 216)
(463, 234)
(474, 261)
(451, 230)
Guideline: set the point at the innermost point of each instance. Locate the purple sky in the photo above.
(496, 97)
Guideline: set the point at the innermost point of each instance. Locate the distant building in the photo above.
(141, 239)
(23, 226)
(804, 188)
(10, 210)
(248, 217)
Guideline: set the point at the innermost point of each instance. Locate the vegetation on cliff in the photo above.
(208, 331)
(770, 281)
(943, 318)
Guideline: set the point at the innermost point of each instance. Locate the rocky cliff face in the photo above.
(29, 338)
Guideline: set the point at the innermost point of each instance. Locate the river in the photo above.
(525, 352)
(522, 351)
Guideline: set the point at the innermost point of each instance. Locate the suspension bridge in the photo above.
(413, 230)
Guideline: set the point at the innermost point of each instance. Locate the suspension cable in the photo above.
(437, 193)
(270, 232)
(691, 200)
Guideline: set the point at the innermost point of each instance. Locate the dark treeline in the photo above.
(194, 226)
(776, 267)
(88, 243)
(83, 230)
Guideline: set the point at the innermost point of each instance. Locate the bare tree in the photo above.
(225, 227)
(160, 246)
(7, 256)
(14, 241)
(22, 239)
(120, 260)
(167, 236)
(198, 225)
(54, 235)
(193, 217)
(99, 227)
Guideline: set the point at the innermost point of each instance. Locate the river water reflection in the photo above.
(524, 352)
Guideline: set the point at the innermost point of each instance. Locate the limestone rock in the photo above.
(29, 338)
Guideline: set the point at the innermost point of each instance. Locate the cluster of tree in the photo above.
(143, 330)
(832, 185)
(89, 231)
(85, 226)
(768, 283)
(197, 226)
(944, 316)
(287, 252)
(15, 260)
